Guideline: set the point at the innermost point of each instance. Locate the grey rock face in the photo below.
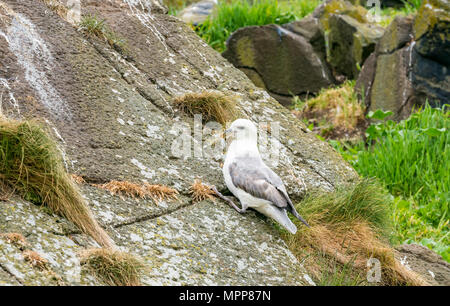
(286, 61)
(410, 64)
(113, 115)
(350, 43)
(425, 262)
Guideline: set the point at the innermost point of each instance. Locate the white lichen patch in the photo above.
(189, 242)
(145, 171)
(35, 59)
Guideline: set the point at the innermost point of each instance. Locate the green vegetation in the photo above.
(348, 226)
(113, 267)
(234, 14)
(31, 165)
(410, 158)
(388, 14)
(93, 25)
(367, 201)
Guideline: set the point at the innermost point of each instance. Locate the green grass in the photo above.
(234, 14)
(388, 14)
(93, 25)
(347, 227)
(411, 159)
(366, 201)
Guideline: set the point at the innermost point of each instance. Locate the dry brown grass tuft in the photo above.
(347, 226)
(15, 238)
(35, 260)
(114, 267)
(77, 179)
(353, 246)
(156, 192)
(160, 192)
(32, 166)
(57, 7)
(201, 192)
(212, 105)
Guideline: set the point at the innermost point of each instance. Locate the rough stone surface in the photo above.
(283, 59)
(397, 35)
(410, 64)
(425, 262)
(111, 110)
(350, 43)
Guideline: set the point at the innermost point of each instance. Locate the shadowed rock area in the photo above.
(110, 107)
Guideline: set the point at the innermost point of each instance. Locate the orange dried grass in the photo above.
(15, 238)
(78, 179)
(35, 260)
(354, 245)
(124, 188)
(201, 192)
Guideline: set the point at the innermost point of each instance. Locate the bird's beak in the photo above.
(228, 131)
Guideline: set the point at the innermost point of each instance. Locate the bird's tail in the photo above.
(286, 222)
(295, 213)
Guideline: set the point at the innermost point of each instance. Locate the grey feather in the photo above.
(254, 177)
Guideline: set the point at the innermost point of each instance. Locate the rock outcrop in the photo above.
(350, 43)
(425, 262)
(302, 57)
(111, 109)
(410, 64)
(282, 59)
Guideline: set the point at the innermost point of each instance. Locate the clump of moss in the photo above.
(94, 25)
(31, 165)
(350, 226)
(156, 192)
(212, 105)
(113, 267)
(201, 192)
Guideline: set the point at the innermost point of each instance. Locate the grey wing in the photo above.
(255, 178)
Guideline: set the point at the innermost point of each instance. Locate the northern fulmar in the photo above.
(251, 181)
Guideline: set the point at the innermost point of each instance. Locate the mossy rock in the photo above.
(340, 7)
(350, 42)
(433, 14)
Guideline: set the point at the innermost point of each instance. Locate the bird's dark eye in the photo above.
(240, 127)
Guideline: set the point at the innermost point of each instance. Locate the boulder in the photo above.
(112, 113)
(425, 262)
(350, 43)
(287, 61)
(410, 64)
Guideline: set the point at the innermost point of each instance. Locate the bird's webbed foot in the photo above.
(239, 210)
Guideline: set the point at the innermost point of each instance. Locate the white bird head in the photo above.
(243, 130)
